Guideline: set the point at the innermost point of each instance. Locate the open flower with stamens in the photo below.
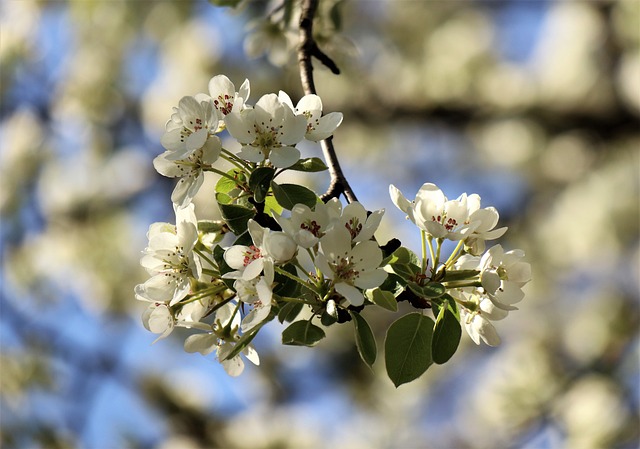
(192, 124)
(224, 95)
(258, 293)
(190, 170)
(360, 225)
(270, 248)
(319, 127)
(503, 274)
(269, 131)
(432, 212)
(226, 317)
(350, 269)
(306, 226)
(170, 260)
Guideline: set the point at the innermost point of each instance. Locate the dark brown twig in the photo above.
(308, 49)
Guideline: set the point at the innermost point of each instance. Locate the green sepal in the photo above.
(365, 340)
(302, 333)
(259, 182)
(408, 348)
(288, 195)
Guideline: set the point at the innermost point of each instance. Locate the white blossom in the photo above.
(319, 127)
(190, 170)
(432, 212)
(192, 124)
(170, 260)
(224, 96)
(207, 343)
(269, 248)
(503, 275)
(350, 269)
(306, 226)
(269, 131)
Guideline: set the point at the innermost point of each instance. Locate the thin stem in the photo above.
(423, 238)
(297, 279)
(221, 173)
(307, 49)
(200, 253)
(433, 256)
(454, 255)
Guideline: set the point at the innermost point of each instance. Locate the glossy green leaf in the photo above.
(259, 182)
(226, 185)
(408, 348)
(302, 333)
(383, 298)
(365, 341)
(446, 336)
(290, 311)
(288, 195)
(236, 216)
(310, 164)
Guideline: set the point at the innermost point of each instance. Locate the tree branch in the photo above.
(306, 50)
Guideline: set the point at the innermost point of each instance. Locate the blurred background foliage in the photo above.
(532, 104)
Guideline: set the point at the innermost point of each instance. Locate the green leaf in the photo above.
(408, 348)
(226, 185)
(290, 311)
(230, 3)
(365, 341)
(431, 290)
(236, 216)
(383, 298)
(285, 286)
(288, 195)
(310, 164)
(446, 336)
(302, 333)
(259, 182)
(271, 205)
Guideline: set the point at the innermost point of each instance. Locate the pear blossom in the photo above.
(157, 318)
(257, 292)
(432, 212)
(170, 260)
(190, 170)
(503, 275)
(224, 95)
(269, 248)
(350, 269)
(306, 226)
(192, 124)
(319, 127)
(269, 131)
(209, 342)
(479, 328)
(485, 219)
(360, 226)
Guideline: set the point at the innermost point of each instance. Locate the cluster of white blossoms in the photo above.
(280, 252)
(501, 274)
